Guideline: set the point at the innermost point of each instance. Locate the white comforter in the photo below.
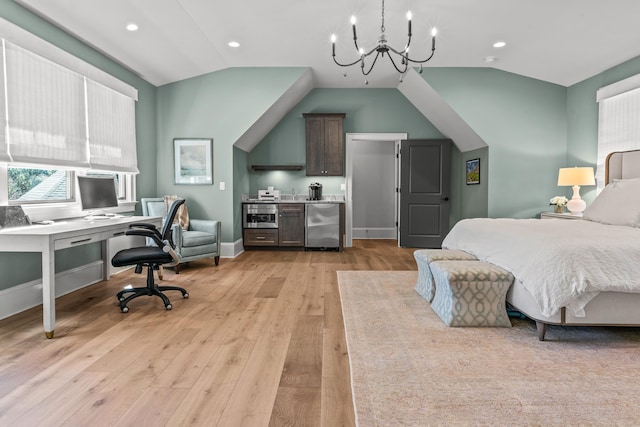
(562, 263)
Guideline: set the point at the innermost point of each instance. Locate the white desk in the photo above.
(63, 234)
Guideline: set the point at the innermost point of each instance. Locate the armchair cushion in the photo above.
(197, 238)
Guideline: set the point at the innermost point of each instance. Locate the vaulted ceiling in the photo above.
(561, 42)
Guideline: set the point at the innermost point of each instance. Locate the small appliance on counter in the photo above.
(315, 191)
(269, 194)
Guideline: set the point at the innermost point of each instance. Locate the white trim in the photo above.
(392, 137)
(231, 249)
(374, 233)
(618, 88)
(27, 295)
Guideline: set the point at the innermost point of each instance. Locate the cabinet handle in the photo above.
(260, 237)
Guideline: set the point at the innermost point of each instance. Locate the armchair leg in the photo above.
(217, 259)
(160, 272)
(177, 268)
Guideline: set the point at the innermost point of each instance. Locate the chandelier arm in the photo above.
(372, 64)
(406, 65)
(418, 61)
(406, 48)
(346, 65)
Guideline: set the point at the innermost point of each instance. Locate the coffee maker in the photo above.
(315, 191)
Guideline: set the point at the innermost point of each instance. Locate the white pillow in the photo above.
(617, 204)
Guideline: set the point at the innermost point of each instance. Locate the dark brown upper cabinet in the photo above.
(325, 144)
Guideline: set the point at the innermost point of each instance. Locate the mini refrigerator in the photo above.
(322, 222)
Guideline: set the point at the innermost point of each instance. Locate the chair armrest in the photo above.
(205, 225)
(143, 225)
(152, 234)
(176, 236)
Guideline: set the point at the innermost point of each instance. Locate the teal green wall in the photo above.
(524, 123)
(24, 267)
(222, 105)
(367, 111)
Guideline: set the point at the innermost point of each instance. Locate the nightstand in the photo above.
(564, 215)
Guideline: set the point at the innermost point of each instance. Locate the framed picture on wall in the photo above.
(473, 171)
(193, 161)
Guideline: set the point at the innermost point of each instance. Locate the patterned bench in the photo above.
(471, 293)
(425, 286)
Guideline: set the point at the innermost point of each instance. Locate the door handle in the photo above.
(445, 199)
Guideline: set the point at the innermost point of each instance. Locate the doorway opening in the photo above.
(372, 178)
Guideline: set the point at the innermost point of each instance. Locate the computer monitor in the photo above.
(97, 192)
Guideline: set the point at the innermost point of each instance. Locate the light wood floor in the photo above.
(259, 342)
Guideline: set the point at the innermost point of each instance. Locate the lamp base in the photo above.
(576, 205)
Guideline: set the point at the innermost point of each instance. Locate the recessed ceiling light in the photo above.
(132, 26)
(499, 44)
(234, 44)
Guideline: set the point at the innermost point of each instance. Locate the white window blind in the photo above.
(112, 129)
(4, 151)
(62, 113)
(45, 111)
(618, 124)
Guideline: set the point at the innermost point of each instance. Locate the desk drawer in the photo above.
(85, 239)
(70, 242)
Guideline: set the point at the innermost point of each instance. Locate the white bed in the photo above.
(584, 272)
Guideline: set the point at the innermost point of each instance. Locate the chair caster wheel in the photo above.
(124, 309)
(186, 295)
(168, 307)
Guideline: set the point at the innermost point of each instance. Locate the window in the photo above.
(618, 120)
(32, 185)
(60, 117)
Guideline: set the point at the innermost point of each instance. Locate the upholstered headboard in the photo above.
(622, 165)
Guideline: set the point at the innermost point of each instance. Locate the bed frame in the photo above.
(607, 308)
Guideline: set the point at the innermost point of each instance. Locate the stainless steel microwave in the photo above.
(260, 215)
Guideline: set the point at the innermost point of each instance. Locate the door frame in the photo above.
(350, 137)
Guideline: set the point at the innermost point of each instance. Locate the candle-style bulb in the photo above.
(433, 38)
(353, 26)
(409, 20)
(333, 38)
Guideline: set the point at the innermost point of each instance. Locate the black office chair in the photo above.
(151, 257)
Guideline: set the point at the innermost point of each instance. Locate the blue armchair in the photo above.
(200, 240)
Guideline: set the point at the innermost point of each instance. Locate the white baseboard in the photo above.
(374, 233)
(231, 250)
(26, 295)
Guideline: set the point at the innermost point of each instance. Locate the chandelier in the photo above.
(402, 59)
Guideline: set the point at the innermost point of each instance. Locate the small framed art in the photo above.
(193, 161)
(473, 171)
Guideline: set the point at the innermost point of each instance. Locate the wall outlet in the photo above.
(343, 187)
(222, 186)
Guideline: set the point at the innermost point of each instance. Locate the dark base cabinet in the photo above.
(291, 224)
(261, 237)
(290, 233)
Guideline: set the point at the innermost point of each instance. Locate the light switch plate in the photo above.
(222, 186)
(343, 187)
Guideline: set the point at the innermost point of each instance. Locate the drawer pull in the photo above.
(121, 233)
(260, 237)
(81, 241)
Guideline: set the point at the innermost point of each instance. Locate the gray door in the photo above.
(424, 192)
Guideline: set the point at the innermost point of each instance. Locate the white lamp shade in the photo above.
(576, 176)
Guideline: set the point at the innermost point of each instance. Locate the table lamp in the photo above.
(575, 177)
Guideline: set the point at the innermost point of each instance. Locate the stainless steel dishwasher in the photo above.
(322, 222)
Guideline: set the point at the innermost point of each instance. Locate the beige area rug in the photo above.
(409, 369)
